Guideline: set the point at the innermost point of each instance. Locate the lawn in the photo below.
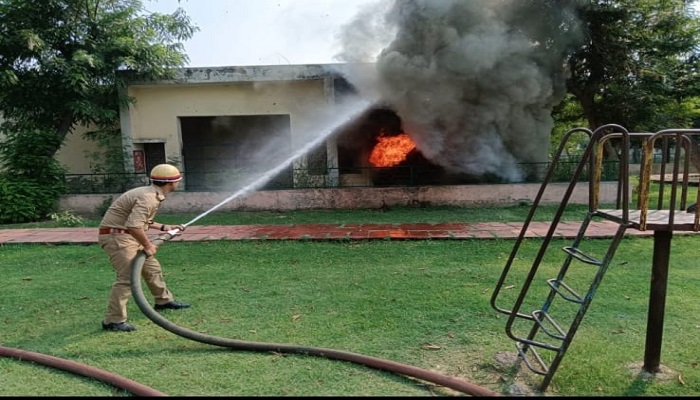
(382, 215)
(421, 303)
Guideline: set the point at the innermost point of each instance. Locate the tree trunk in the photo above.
(62, 129)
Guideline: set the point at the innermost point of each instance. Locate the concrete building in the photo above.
(295, 126)
(220, 123)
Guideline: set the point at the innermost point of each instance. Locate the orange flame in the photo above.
(391, 150)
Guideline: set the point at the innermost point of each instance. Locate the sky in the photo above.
(262, 32)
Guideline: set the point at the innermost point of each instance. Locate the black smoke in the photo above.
(473, 81)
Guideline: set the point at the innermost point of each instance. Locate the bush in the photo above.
(33, 181)
(104, 206)
(18, 201)
(67, 218)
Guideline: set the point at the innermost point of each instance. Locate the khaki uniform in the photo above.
(134, 208)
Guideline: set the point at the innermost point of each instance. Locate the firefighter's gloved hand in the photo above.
(177, 230)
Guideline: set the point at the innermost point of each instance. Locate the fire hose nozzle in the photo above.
(173, 232)
(167, 235)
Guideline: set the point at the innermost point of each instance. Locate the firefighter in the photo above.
(122, 234)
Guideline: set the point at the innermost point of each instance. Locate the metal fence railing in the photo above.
(104, 183)
(224, 181)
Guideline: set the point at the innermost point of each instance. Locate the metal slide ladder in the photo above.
(558, 333)
(543, 336)
(550, 329)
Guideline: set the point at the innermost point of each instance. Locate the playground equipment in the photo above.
(543, 335)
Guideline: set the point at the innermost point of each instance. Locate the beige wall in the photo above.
(302, 92)
(73, 155)
(154, 116)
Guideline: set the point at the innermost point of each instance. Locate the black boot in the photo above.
(173, 305)
(118, 326)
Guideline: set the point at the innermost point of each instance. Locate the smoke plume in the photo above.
(474, 81)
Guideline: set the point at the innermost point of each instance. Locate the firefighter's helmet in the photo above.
(165, 173)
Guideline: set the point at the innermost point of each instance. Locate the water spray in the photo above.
(374, 362)
(350, 114)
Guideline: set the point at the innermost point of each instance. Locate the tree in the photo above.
(639, 63)
(62, 64)
(638, 67)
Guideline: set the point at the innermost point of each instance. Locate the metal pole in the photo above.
(657, 300)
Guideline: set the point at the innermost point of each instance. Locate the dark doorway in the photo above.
(224, 153)
(154, 155)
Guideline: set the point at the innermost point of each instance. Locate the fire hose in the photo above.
(373, 362)
(81, 369)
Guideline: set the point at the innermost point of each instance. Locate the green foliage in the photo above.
(82, 50)
(111, 154)
(24, 200)
(27, 154)
(66, 218)
(104, 183)
(63, 64)
(13, 205)
(102, 209)
(567, 115)
(31, 182)
(638, 66)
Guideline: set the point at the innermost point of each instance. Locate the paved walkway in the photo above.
(481, 230)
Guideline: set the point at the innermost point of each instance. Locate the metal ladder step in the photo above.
(528, 348)
(549, 325)
(556, 336)
(543, 368)
(568, 293)
(581, 256)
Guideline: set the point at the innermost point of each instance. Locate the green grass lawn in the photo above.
(422, 303)
(384, 215)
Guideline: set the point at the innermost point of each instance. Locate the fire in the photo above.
(391, 150)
